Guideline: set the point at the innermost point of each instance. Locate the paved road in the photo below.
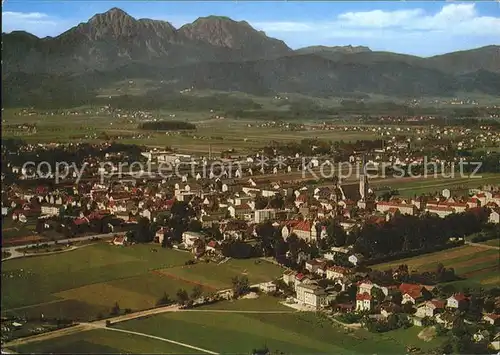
(16, 254)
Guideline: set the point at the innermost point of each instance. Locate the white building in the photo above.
(311, 295)
(188, 238)
(263, 215)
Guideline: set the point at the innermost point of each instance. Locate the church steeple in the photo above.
(363, 180)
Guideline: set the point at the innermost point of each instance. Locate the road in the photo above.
(101, 324)
(16, 254)
(485, 246)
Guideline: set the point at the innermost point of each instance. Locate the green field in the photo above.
(291, 333)
(86, 282)
(217, 134)
(492, 242)
(408, 188)
(101, 342)
(478, 266)
(263, 303)
(220, 276)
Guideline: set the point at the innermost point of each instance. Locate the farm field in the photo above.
(478, 266)
(84, 284)
(492, 242)
(290, 333)
(409, 188)
(262, 303)
(220, 276)
(100, 341)
(220, 134)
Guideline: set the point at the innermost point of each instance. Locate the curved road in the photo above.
(16, 254)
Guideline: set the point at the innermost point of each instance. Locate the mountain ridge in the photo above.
(216, 52)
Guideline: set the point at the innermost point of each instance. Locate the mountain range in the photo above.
(219, 53)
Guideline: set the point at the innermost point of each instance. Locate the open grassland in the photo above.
(288, 332)
(220, 134)
(100, 341)
(87, 282)
(220, 276)
(430, 184)
(479, 266)
(262, 303)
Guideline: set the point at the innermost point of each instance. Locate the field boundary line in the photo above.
(159, 338)
(33, 305)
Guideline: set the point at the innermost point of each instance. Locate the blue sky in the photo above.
(423, 28)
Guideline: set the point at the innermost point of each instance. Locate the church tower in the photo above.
(363, 180)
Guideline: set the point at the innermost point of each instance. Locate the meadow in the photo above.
(100, 341)
(235, 332)
(478, 266)
(217, 134)
(289, 333)
(431, 184)
(83, 283)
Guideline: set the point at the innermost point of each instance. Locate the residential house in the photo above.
(494, 216)
(493, 319)
(363, 302)
(263, 215)
(289, 278)
(50, 210)
(430, 308)
(457, 301)
(403, 208)
(160, 235)
(243, 211)
(313, 265)
(338, 272)
(305, 230)
(120, 240)
(267, 287)
(189, 238)
(411, 293)
(388, 308)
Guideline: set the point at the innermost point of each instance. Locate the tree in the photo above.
(194, 225)
(164, 300)
(378, 295)
(196, 292)
(260, 202)
(116, 309)
(336, 236)
(182, 296)
(241, 285)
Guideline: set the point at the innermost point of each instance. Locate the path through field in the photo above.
(485, 246)
(102, 324)
(158, 338)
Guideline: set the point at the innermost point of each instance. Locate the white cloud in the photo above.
(451, 20)
(34, 22)
(378, 18)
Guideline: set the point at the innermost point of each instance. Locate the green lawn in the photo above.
(263, 303)
(100, 267)
(431, 184)
(101, 341)
(220, 276)
(477, 265)
(290, 333)
(87, 282)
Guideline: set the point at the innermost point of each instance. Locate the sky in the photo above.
(421, 28)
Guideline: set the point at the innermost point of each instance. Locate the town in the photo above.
(331, 236)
